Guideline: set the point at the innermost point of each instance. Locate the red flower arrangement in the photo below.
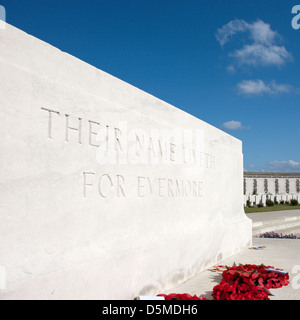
(242, 282)
(229, 291)
(249, 282)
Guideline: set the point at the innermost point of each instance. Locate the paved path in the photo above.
(280, 253)
(286, 222)
(264, 216)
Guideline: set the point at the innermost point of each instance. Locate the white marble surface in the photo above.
(88, 211)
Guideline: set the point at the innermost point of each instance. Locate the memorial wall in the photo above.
(271, 183)
(106, 191)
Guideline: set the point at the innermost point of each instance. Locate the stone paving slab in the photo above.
(280, 253)
(266, 216)
(285, 222)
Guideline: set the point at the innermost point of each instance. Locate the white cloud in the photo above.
(284, 166)
(282, 88)
(232, 125)
(263, 50)
(260, 55)
(259, 87)
(230, 29)
(261, 33)
(255, 87)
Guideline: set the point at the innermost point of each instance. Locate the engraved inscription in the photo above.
(159, 148)
(110, 186)
(168, 188)
(115, 145)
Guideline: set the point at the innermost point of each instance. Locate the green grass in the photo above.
(276, 207)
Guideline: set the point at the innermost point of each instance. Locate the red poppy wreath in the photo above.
(242, 282)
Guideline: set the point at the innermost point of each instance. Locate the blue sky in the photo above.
(234, 64)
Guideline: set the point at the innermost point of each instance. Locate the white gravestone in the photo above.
(106, 191)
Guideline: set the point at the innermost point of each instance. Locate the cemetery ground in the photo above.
(276, 207)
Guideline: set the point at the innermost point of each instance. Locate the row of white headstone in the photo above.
(261, 198)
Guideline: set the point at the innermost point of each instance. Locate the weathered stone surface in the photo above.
(106, 191)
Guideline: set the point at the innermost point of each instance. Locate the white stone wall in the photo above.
(271, 185)
(293, 186)
(88, 211)
(282, 186)
(260, 186)
(249, 185)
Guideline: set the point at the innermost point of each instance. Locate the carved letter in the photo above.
(72, 128)
(140, 186)
(85, 182)
(117, 139)
(91, 132)
(138, 141)
(151, 152)
(150, 185)
(183, 154)
(119, 186)
(194, 188)
(162, 150)
(172, 151)
(50, 121)
(160, 188)
(100, 187)
(190, 188)
(170, 191)
(177, 188)
(193, 156)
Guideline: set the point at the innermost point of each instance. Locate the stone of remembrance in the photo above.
(106, 191)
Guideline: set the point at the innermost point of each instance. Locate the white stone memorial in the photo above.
(106, 191)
